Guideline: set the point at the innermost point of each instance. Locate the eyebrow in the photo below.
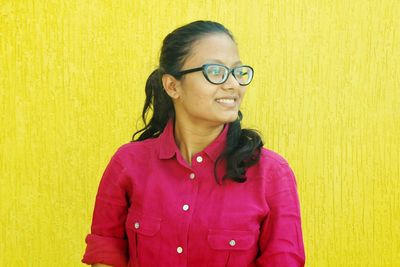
(219, 61)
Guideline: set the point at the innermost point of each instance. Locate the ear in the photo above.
(171, 85)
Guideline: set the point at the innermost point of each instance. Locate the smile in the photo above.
(226, 100)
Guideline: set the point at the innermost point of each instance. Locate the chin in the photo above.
(228, 119)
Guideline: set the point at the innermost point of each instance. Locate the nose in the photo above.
(231, 82)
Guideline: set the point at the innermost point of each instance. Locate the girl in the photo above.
(194, 189)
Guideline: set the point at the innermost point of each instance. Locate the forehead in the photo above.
(213, 48)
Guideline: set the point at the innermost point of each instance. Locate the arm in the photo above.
(107, 242)
(281, 240)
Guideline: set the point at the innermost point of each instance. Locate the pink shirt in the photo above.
(153, 210)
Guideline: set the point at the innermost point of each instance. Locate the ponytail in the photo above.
(160, 103)
(243, 149)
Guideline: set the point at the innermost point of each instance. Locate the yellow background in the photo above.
(326, 96)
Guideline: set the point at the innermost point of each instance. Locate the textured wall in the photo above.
(326, 96)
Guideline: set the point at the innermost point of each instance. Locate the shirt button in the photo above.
(179, 250)
(199, 159)
(137, 225)
(185, 207)
(232, 243)
(192, 175)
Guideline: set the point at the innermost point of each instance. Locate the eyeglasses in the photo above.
(218, 74)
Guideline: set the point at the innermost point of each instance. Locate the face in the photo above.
(197, 99)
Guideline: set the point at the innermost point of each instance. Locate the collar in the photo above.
(168, 147)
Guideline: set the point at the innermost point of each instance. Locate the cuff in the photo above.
(106, 250)
(287, 259)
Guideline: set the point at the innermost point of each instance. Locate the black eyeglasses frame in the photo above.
(204, 67)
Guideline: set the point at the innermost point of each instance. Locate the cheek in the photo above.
(198, 94)
(242, 91)
(202, 101)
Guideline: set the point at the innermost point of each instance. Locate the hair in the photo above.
(243, 146)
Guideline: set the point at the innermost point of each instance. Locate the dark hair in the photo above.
(243, 146)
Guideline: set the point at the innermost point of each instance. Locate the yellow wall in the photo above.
(326, 96)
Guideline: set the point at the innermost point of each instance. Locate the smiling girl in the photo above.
(194, 188)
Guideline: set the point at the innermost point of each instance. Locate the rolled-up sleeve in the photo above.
(107, 243)
(281, 240)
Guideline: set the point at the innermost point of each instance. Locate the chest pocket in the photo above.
(232, 248)
(144, 241)
(143, 224)
(231, 239)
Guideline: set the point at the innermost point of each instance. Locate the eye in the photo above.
(241, 73)
(214, 70)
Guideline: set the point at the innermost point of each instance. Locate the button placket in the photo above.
(185, 206)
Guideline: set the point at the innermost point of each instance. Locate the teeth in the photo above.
(226, 100)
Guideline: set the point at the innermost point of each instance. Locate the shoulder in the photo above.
(271, 165)
(138, 149)
(271, 157)
(276, 167)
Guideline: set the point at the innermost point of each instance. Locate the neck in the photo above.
(191, 137)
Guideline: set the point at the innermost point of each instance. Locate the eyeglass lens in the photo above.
(218, 74)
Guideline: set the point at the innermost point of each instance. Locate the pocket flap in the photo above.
(231, 239)
(143, 224)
